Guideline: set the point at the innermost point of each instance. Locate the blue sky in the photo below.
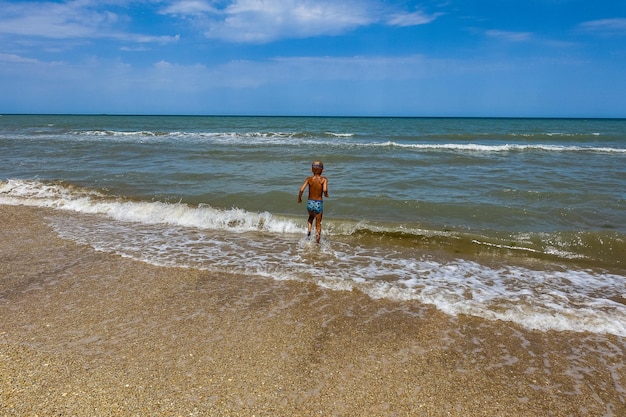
(535, 58)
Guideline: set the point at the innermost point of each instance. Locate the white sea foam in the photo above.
(340, 135)
(117, 133)
(240, 137)
(328, 139)
(474, 147)
(35, 193)
(536, 299)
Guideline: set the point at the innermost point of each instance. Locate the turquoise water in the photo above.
(516, 219)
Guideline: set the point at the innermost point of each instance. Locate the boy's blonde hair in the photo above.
(317, 167)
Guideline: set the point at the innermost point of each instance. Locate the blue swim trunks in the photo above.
(316, 206)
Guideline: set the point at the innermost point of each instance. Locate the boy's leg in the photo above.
(318, 227)
(310, 223)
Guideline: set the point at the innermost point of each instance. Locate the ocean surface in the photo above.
(522, 220)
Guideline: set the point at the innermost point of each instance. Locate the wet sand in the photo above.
(85, 333)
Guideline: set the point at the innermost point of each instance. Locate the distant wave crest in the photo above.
(212, 135)
(474, 147)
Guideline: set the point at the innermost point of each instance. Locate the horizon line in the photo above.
(312, 116)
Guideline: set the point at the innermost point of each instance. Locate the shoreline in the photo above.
(89, 333)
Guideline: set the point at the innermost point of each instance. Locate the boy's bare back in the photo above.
(317, 187)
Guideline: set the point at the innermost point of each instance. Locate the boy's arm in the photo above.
(306, 182)
(325, 187)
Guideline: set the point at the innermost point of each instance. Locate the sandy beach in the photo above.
(86, 333)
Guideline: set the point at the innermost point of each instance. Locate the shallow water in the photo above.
(513, 219)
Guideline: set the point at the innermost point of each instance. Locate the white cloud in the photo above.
(148, 38)
(54, 20)
(170, 76)
(252, 21)
(262, 21)
(80, 19)
(615, 26)
(411, 19)
(509, 36)
(17, 59)
(265, 20)
(189, 7)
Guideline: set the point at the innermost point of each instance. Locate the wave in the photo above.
(66, 197)
(454, 143)
(601, 249)
(141, 133)
(474, 147)
(567, 300)
(593, 247)
(212, 135)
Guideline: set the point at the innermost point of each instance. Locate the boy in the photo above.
(318, 186)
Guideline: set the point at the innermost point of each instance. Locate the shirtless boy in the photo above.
(318, 186)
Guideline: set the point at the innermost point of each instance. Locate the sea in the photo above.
(513, 219)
